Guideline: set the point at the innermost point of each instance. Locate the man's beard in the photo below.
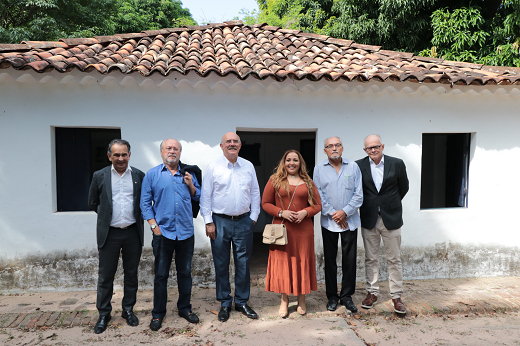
(172, 160)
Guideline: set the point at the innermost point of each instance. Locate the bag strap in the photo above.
(294, 192)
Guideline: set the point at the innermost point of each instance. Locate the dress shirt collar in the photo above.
(164, 168)
(344, 161)
(127, 169)
(225, 162)
(380, 162)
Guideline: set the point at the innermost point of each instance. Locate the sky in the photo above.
(217, 11)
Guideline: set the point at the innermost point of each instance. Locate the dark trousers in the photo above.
(348, 263)
(127, 243)
(239, 235)
(163, 249)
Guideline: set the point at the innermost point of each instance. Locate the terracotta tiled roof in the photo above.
(260, 51)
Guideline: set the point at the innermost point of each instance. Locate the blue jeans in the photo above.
(239, 235)
(163, 249)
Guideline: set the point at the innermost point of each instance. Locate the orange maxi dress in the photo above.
(292, 268)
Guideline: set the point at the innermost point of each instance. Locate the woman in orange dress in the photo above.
(291, 268)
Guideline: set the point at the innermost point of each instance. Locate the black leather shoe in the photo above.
(349, 304)
(332, 305)
(156, 324)
(102, 324)
(247, 310)
(130, 318)
(189, 316)
(223, 314)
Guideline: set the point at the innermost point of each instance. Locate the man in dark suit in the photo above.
(385, 183)
(114, 195)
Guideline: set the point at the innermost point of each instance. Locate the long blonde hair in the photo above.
(279, 177)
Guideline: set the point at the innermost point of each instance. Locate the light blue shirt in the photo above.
(171, 207)
(339, 191)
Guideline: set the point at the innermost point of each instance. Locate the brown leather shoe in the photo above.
(369, 301)
(399, 306)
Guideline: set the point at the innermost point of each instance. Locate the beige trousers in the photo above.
(392, 243)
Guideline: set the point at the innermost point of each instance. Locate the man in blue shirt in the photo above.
(341, 191)
(166, 199)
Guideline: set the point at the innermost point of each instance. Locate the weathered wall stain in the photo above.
(77, 270)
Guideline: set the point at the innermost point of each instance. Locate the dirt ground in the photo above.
(480, 311)
(333, 331)
(473, 329)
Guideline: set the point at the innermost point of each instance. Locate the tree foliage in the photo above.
(483, 31)
(470, 34)
(47, 20)
(138, 15)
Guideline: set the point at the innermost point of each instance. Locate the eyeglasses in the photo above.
(375, 147)
(337, 146)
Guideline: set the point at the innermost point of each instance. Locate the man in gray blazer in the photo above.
(114, 195)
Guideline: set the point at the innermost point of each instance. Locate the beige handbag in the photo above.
(277, 233)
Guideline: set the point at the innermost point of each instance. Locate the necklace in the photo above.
(293, 176)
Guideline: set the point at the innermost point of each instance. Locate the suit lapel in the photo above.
(368, 171)
(136, 186)
(108, 185)
(386, 170)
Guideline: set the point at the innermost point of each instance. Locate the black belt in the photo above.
(127, 227)
(232, 217)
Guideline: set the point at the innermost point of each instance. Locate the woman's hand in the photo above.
(302, 214)
(290, 215)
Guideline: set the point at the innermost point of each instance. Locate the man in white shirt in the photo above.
(114, 195)
(230, 205)
(385, 184)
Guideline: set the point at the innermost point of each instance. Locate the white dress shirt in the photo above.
(229, 189)
(122, 198)
(377, 172)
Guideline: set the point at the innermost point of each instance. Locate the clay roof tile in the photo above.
(260, 51)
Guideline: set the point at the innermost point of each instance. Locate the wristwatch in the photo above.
(153, 225)
(280, 213)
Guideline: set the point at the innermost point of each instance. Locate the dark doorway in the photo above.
(265, 150)
(444, 173)
(79, 153)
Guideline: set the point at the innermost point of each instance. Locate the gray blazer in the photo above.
(100, 200)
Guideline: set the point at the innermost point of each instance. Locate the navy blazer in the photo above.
(100, 200)
(388, 200)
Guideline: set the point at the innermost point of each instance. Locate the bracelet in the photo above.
(280, 213)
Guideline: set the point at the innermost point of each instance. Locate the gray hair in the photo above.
(161, 145)
(325, 141)
(117, 141)
(375, 134)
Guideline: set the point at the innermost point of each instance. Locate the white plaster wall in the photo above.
(198, 111)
